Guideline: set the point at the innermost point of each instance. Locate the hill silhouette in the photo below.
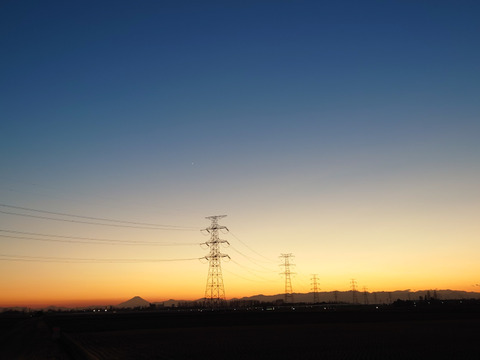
(371, 297)
(378, 297)
(134, 302)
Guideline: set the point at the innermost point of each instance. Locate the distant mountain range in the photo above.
(378, 297)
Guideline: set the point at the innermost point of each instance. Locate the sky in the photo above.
(342, 132)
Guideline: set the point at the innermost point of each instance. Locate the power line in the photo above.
(60, 194)
(51, 235)
(243, 277)
(4, 257)
(87, 242)
(303, 280)
(251, 260)
(248, 247)
(249, 270)
(91, 223)
(100, 219)
(82, 240)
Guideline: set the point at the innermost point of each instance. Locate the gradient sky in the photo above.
(344, 132)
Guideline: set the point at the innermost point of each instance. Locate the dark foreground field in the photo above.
(235, 335)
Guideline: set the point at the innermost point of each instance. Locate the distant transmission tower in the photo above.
(215, 292)
(315, 288)
(365, 295)
(353, 283)
(288, 281)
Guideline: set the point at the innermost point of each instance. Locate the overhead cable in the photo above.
(100, 219)
(251, 271)
(93, 223)
(83, 240)
(251, 260)
(4, 257)
(252, 250)
(243, 277)
(88, 242)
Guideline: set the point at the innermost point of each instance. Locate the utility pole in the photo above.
(215, 292)
(315, 288)
(288, 281)
(353, 283)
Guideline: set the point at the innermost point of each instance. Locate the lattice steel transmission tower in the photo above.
(215, 292)
(353, 283)
(288, 280)
(365, 295)
(315, 288)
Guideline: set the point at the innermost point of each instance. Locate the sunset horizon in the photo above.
(344, 133)
(114, 301)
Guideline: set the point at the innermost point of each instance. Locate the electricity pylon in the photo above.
(287, 273)
(215, 292)
(315, 288)
(365, 295)
(353, 283)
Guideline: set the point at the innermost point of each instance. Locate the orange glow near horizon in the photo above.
(78, 293)
(384, 248)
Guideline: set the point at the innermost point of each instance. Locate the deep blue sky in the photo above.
(275, 112)
(163, 81)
